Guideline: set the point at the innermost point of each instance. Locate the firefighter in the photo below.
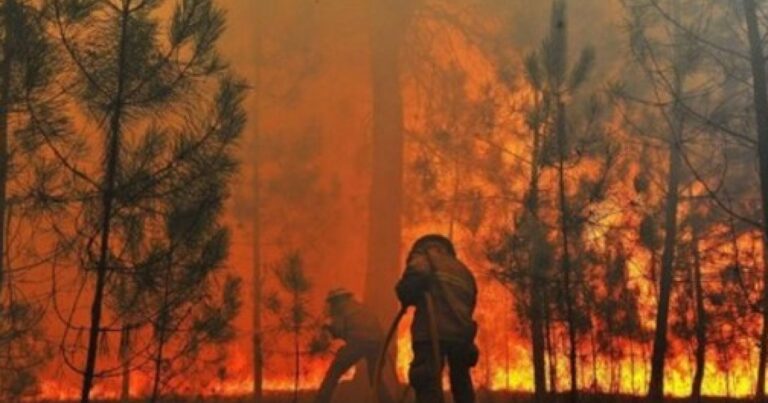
(358, 327)
(444, 293)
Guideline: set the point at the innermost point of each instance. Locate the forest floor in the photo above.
(482, 397)
(491, 398)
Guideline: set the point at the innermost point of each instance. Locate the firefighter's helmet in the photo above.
(441, 240)
(338, 294)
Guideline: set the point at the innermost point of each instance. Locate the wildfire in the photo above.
(505, 353)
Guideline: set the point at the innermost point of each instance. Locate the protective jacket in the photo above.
(357, 325)
(454, 294)
(353, 322)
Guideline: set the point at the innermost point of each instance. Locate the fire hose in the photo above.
(383, 354)
(434, 338)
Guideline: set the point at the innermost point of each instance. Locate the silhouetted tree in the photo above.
(667, 60)
(739, 61)
(549, 72)
(293, 315)
(760, 97)
(554, 230)
(27, 85)
(259, 9)
(175, 284)
(697, 224)
(147, 99)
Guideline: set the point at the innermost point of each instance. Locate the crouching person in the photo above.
(444, 293)
(363, 338)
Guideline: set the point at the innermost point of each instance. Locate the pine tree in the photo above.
(760, 92)
(294, 315)
(740, 56)
(140, 82)
(548, 71)
(667, 62)
(27, 95)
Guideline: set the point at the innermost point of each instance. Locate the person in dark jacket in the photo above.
(358, 327)
(444, 293)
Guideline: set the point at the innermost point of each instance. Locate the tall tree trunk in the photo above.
(258, 356)
(107, 200)
(164, 322)
(660, 342)
(552, 357)
(565, 261)
(538, 338)
(537, 301)
(9, 11)
(125, 347)
(389, 21)
(158, 360)
(539, 316)
(656, 387)
(538, 308)
(701, 321)
(297, 353)
(259, 9)
(594, 360)
(507, 332)
(632, 365)
(761, 119)
(158, 365)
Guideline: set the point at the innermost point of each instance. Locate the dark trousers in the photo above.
(347, 356)
(461, 357)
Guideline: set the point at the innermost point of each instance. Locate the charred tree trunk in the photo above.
(389, 21)
(537, 301)
(125, 362)
(163, 327)
(565, 261)
(107, 201)
(508, 331)
(761, 120)
(258, 357)
(538, 305)
(158, 359)
(297, 351)
(701, 321)
(660, 342)
(9, 15)
(538, 338)
(594, 360)
(658, 356)
(552, 358)
(632, 366)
